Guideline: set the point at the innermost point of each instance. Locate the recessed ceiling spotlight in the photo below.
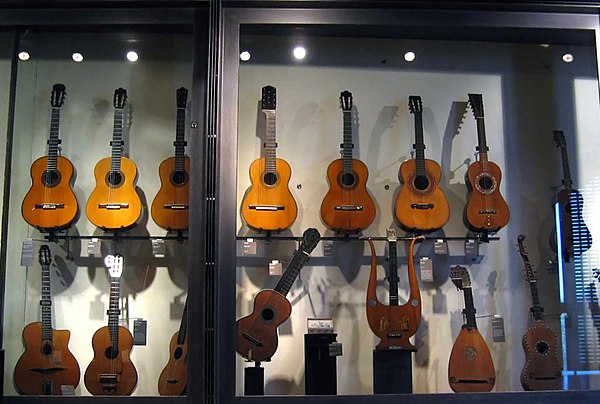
(545, 45)
(409, 56)
(299, 52)
(132, 56)
(245, 56)
(77, 57)
(24, 56)
(567, 58)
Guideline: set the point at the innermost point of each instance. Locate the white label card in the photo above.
(498, 329)
(426, 267)
(93, 247)
(275, 268)
(440, 247)
(250, 247)
(159, 249)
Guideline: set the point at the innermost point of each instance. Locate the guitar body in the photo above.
(55, 190)
(421, 205)
(575, 235)
(347, 191)
(486, 209)
(44, 362)
(111, 376)
(542, 370)
(269, 204)
(170, 208)
(471, 368)
(393, 324)
(173, 378)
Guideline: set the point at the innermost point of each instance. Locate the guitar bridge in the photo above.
(113, 206)
(488, 212)
(49, 206)
(394, 335)
(108, 378)
(172, 381)
(422, 206)
(176, 206)
(252, 339)
(272, 208)
(347, 208)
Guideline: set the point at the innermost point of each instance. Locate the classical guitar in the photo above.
(394, 324)
(114, 203)
(347, 206)
(470, 368)
(256, 334)
(47, 364)
(111, 371)
(50, 203)
(269, 204)
(173, 378)
(486, 209)
(421, 204)
(542, 369)
(170, 208)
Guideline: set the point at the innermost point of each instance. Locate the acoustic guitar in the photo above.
(256, 334)
(114, 203)
(111, 371)
(347, 206)
(542, 369)
(394, 324)
(421, 205)
(470, 368)
(486, 210)
(269, 204)
(173, 378)
(170, 208)
(50, 203)
(47, 364)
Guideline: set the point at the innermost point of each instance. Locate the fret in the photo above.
(482, 147)
(469, 310)
(46, 303)
(114, 311)
(53, 140)
(270, 144)
(393, 278)
(180, 142)
(347, 145)
(183, 326)
(567, 181)
(287, 280)
(419, 145)
(117, 142)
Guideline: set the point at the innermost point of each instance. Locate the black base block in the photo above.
(254, 380)
(392, 371)
(320, 371)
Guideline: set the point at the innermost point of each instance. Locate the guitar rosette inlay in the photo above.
(542, 348)
(470, 353)
(486, 183)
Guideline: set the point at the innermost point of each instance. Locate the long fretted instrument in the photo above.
(173, 378)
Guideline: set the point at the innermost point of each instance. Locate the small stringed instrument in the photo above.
(111, 371)
(269, 204)
(486, 209)
(47, 364)
(114, 203)
(170, 208)
(256, 334)
(50, 203)
(173, 378)
(392, 323)
(542, 369)
(470, 368)
(421, 204)
(347, 206)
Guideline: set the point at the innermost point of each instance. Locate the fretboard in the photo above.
(481, 141)
(183, 326)
(46, 303)
(291, 272)
(114, 311)
(270, 144)
(469, 310)
(53, 140)
(419, 145)
(180, 142)
(347, 145)
(393, 278)
(536, 308)
(567, 181)
(117, 142)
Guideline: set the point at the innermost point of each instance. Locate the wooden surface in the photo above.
(479, 201)
(171, 194)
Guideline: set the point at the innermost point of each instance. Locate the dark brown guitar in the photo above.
(471, 367)
(47, 364)
(173, 378)
(542, 369)
(394, 324)
(256, 334)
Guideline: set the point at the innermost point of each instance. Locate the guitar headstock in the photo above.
(415, 105)
(114, 263)
(476, 102)
(57, 97)
(182, 94)
(529, 273)
(559, 139)
(460, 277)
(310, 239)
(346, 100)
(120, 98)
(269, 98)
(391, 234)
(45, 255)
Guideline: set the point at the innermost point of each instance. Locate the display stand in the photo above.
(254, 380)
(320, 374)
(392, 371)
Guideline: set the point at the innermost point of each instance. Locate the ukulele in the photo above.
(111, 371)
(50, 203)
(173, 378)
(347, 206)
(269, 204)
(421, 204)
(114, 203)
(256, 334)
(470, 368)
(392, 323)
(486, 209)
(47, 364)
(542, 369)
(170, 208)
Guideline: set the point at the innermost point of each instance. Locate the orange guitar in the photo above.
(170, 208)
(47, 364)
(347, 205)
(50, 202)
(173, 378)
(114, 203)
(269, 204)
(111, 371)
(421, 204)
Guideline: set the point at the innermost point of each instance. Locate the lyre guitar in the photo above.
(471, 367)
(421, 204)
(170, 208)
(173, 378)
(542, 369)
(50, 203)
(111, 371)
(269, 204)
(114, 203)
(392, 323)
(47, 364)
(256, 334)
(347, 206)
(486, 210)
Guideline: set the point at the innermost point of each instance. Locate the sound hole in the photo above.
(179, 177)
(542, 347)
(178, 352)
(267, 314)
(270, 179)
(568, 208)
(348, 179)
(51, 178)
(46, 349)
(111, 353)
(421, 182)
(114, 178)
(486, 183)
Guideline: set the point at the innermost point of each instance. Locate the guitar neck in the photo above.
(419, 145)
(270, 144)
(482, 147)
(183, 326)
(536, 308)
(567, 181)
(53, 140)
(117, 142)
(114, 311)
(469, 310)
(46, 303)
(393, 278)
(291, 272)
(180, 142)
(347, 145)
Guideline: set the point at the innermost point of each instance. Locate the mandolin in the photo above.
(170, 208)
(47, 364)
(111, 371)
(542, 369)
(470, 368)
(114, 203)
(256, 334)
(50, 203)
(421, 204)
(486, 210)
(394, 324)
(347, 206)
(173, 378)
(269, 204)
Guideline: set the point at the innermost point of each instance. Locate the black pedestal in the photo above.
(392, 371)
(254, 380)
(320, 374)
